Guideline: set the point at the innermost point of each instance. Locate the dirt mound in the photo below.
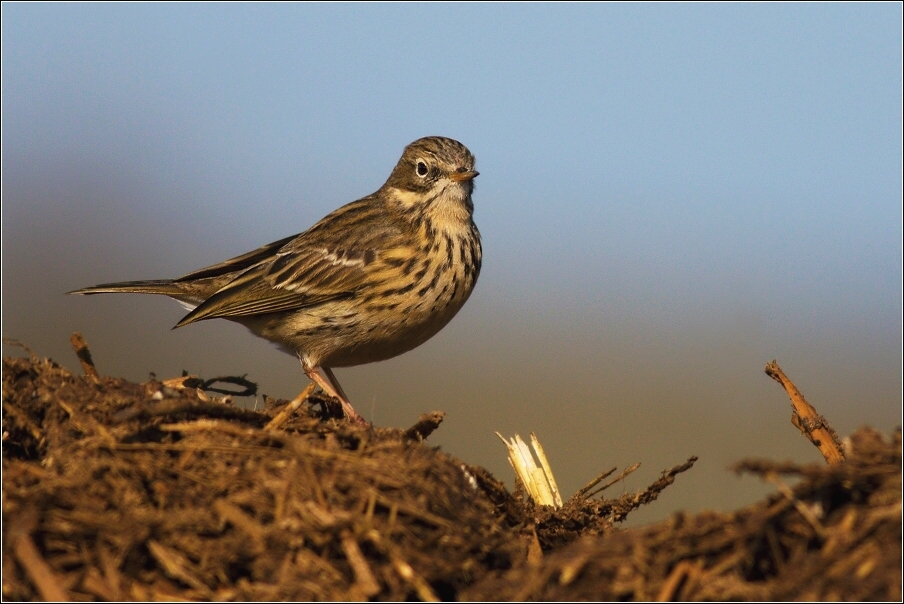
(834, 536)
(116, 490)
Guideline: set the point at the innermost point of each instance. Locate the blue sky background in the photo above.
(670, 196)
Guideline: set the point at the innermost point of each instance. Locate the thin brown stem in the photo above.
(807, 420)
(84, 356)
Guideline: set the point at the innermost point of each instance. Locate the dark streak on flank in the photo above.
(430, 285)
(409, 266)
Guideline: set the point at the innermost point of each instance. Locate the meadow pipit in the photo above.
(371, 280)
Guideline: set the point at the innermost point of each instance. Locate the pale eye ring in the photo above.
(421, 168)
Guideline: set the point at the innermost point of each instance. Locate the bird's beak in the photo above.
(466, 175)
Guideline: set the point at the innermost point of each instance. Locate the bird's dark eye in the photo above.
(422, 169)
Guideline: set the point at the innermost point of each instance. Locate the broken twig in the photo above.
(84, 356)
(807, 420)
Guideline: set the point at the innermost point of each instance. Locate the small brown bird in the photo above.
(371, 280)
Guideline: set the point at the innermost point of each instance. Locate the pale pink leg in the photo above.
(330, 385)
(334, 382)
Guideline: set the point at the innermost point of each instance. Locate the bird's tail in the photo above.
(166, 287)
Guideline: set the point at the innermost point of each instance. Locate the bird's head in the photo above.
(433, 170)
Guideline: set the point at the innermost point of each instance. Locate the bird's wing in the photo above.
(239, 263)
(330, 261)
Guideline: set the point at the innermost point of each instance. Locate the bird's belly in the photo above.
(343, 334)
(391, 336)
